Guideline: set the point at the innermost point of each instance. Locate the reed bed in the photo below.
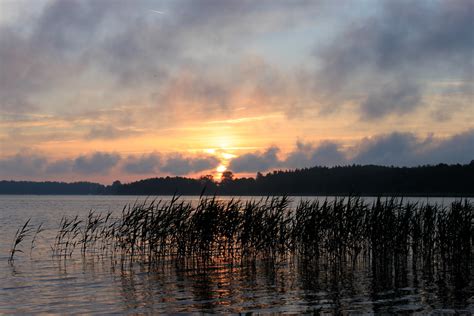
(389, 234)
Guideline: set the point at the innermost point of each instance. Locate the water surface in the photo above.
(38, 283)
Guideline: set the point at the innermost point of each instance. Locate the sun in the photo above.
(221, 168)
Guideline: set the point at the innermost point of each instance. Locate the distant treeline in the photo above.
(439, 180)
(30, 187)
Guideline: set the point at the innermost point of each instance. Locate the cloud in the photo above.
(305, 155)
(27, 165)
(31, 165)
(69, 41)
(188, 89)
(404, 149)
(398, 97)
(174, 164)
(95, 163)
(118, 67)
(121, 46)
(144, 164)
(22, 164)
(455, 149)
(75, 56)
(177, 164)
(384, 60)
(18, 73)
(219, 21)
(391, 149)
(109, 132)
(254, 162)
(398, 149)
(62, 166)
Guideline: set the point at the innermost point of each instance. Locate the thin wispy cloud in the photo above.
(158, 12)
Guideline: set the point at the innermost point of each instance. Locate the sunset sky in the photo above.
(101, 90)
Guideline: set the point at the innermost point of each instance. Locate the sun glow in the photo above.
(221, 168)
(211, 151)
(224, 141)
(228, 155)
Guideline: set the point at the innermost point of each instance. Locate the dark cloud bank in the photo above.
(175, 164)
(28, 165)
(399, 149)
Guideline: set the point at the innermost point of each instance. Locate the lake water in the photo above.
(37, 283)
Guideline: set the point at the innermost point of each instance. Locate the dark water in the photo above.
(38, 283)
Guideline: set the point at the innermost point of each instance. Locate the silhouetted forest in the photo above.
(439, 180)
(30, 187)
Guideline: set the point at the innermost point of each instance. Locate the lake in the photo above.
(36, 282)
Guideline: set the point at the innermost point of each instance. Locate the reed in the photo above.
(20, 235)
(39, 229)
(388, 234)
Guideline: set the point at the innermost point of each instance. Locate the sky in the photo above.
(104, 90)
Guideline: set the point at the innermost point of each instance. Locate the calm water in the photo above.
(37, 283)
